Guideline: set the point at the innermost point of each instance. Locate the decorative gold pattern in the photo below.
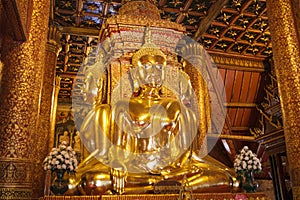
(242, 63)
(140, 8)
(218, 196)
(49, 93)
(21, 141)
(287, 65)
(15, 172)
(15, 193)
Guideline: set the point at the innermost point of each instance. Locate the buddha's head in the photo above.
(149, 63)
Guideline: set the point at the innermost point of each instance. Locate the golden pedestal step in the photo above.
(202, 196)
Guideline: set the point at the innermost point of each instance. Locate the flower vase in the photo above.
(249, 185)
(59, 185)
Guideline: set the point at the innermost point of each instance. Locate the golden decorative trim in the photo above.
(54, 36)
(210, 196)
(232, 137)
(15, 193)
(238, 63)
(131, 20)
(140, 8)
(15, 172)
(53, 48)
(240, 105)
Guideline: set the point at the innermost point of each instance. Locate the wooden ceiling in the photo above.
(235, 29)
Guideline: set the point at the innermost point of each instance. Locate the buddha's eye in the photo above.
(148, 65)
(159, 66)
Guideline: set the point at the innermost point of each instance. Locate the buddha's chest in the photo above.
(155, 114)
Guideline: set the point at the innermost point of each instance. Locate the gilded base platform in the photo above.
(202, 196)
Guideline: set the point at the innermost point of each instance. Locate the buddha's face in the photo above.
(151, 70)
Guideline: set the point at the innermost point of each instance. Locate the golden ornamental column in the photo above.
(48, 99)
(53, 111)
(51, 84)
(287, 66)
(20, 95)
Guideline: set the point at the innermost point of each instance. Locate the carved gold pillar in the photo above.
(51, 85)
(53, 111)
(287, 66)
(20, 155)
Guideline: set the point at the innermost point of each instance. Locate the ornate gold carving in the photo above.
(238, 63)
(54, 36)
(53, 111)
(21, 138)
(131, 20)
(258, 131)
(148, 49)
(296, 192)
(287, 64)
(51, 85)
(216, 196)
(15, 193)
(140, 8)
(270, 107)
(15, 172)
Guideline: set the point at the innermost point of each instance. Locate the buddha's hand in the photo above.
(118, 176)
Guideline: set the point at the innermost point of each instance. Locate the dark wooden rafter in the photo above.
(213, 12)
(184, 11)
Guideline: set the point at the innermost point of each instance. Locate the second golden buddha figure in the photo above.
(146, 140)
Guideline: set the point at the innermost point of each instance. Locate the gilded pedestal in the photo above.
(21, 158)
(287, 65)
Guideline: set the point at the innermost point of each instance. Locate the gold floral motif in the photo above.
(22, 142)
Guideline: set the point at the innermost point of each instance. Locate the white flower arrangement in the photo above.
(247, 161)
(61, 158)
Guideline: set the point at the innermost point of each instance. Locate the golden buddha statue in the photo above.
(146, 140)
